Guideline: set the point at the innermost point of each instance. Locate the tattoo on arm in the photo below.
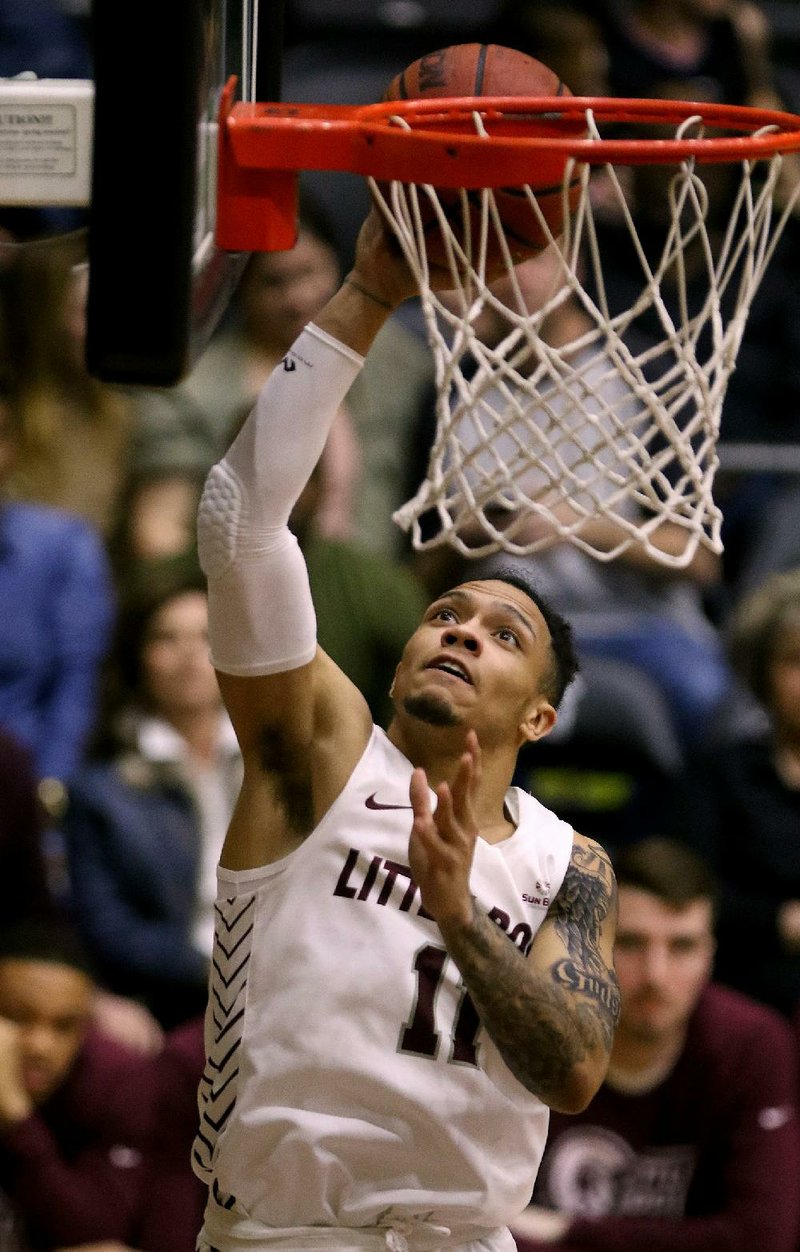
(587, 897)
(546, 1024)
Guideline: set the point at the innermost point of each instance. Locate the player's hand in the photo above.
(379, 266)
(442, 842)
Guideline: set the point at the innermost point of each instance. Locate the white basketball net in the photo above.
(597, 440)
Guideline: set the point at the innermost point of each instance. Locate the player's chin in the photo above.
(432, 708)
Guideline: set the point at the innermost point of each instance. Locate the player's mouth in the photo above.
(449, 665)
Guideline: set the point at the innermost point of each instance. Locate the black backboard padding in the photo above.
(147, 317)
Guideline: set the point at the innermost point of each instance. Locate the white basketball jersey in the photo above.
(349, 1082)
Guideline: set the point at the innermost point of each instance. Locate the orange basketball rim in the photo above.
(468, 142)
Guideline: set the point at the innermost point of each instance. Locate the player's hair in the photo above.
(48, 939)
(667, 869)
(565, 663)
(756, 626)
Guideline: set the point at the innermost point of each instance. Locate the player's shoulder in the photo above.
(590, 855)
(589, 875)
(525, 807)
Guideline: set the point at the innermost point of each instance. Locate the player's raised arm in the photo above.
(261, 618)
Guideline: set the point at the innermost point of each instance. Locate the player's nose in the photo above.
(462, 635)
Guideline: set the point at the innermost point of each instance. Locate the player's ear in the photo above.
(539, 720)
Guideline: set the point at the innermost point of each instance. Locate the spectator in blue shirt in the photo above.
(57, 604)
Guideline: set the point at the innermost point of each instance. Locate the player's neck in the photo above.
(438, 751)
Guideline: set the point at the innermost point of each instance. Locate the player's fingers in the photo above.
(419, 795)
(474, 748)
(462, 787)
(444, 816)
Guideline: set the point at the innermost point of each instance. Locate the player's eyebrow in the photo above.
(500, 606)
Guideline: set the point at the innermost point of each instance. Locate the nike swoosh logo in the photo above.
(372, 803)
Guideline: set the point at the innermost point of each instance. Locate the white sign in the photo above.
(45, 141)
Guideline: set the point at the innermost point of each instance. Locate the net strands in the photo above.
(537, 441)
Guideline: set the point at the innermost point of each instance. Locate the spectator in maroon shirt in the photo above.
(74, 1104)
(692, 1142)
(174, 1198)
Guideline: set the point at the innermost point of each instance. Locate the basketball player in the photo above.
(413, 960)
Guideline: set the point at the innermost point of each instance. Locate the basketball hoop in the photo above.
(541, 438)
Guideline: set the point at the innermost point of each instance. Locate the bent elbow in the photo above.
(576, 1092)
(572, 1101)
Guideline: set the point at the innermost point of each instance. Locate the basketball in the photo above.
(475, 69)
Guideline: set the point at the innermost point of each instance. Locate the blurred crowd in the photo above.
(679, 748)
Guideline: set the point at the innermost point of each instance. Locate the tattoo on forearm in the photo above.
(603, 990)
(526, 1019)
(546, 1023)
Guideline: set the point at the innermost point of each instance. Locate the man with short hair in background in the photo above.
(692, 1141)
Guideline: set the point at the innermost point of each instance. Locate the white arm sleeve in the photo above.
(261, 617)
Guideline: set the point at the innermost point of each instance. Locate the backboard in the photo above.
(158, 283)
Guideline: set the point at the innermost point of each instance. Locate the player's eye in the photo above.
(508, 635)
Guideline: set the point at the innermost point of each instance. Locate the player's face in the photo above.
(784, 678)
(51, 1006)
(480, 658)
(663, 958)
(177, 672)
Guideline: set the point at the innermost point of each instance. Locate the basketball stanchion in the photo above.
(528, 446)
